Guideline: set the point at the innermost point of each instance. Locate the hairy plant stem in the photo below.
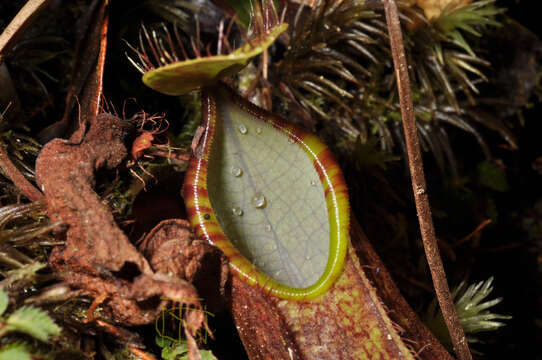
(419, 186)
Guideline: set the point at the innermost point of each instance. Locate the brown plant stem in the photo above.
(419, 186)
(11, 171)
(18, 25)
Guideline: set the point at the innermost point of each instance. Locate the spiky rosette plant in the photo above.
(447, 70)
(441, 48)
(473, 311)
(331, 48)
(336, 71)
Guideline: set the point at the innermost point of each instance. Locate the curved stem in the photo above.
(419, 186)
(11, 171)
(18, 25)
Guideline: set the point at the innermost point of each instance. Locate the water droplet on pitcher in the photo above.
(291, 140)
(242, 129)
(258, 201)
(313, 183)
(268, 228)
(236, 210)
(308, 257)
(235, 171)
(258, 130)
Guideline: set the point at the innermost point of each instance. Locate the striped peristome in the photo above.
(259, 257)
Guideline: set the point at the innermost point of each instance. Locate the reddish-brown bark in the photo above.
(172, 248)
(97, 256)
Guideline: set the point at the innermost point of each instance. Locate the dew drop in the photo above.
(313, 183)
(258, 130)
(236, 171)
(258, 200)
(268, 228)
(308, 257)
(242, 129)
(236, 210)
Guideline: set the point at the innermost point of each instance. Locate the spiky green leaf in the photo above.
(34, 322)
